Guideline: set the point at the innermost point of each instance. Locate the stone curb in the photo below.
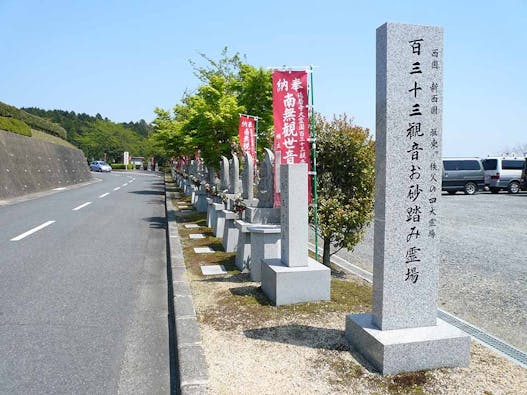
(192, 365)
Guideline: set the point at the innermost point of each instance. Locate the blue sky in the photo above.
(123, 58)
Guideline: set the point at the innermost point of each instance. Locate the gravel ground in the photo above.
(258, 349)
(252, 347)
(483, 274)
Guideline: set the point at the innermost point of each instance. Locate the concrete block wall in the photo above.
(28, 165)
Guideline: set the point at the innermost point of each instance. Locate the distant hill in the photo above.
(98, 136)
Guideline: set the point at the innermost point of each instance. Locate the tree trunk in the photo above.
(326, 255)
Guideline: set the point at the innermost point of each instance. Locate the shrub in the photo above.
(346, 182)
(15, 126)
(121, 166)
(32, 120)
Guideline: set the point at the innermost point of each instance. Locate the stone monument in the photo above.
(234, 175)
(294, 278)
(403, 332)
(193, 168)
(224, 173)
(264, 212)
(248, 179)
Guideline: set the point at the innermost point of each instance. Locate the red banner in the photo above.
(246, 131)
(291, 119)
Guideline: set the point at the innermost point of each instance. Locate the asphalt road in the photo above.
(83, 299)
(483, 269)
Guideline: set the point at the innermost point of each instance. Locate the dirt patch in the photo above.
(254, 347)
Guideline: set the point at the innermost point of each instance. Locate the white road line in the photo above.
(104, 194)
(132, 180)
(81, 206)
(29, 232)
(125, 184)
(116, 188)
(59, 189)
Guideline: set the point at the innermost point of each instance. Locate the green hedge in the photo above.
(120, 166)
(15, 126)
(33, 121)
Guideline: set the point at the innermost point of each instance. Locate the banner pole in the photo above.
(256, 139)
(314, 150)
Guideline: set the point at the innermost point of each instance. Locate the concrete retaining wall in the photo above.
(29, 165)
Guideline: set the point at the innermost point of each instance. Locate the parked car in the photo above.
(503, 174)
(463, 174)
(100, 165)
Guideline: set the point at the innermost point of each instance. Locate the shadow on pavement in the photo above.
(148, 192)
(156, 222)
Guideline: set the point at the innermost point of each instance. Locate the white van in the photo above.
(503, 174)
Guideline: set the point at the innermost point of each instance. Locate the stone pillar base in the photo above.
(287, 285)
(243, 250)
(230, 232)
(408, 350)
(265, 244)
(262, 215)
(219, 223)
(201, 202)
(210, 212)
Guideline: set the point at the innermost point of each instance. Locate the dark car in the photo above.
(463, 174)
(523, 180)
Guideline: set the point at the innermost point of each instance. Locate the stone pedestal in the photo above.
(294, 278)
(211, 213)
(243, 249)
(402, 350)
(193, 195)
(201, 202)
(230, 232)
(219, 223)
(262, 215)
(229, 204)
(287, 285)
(265, 244)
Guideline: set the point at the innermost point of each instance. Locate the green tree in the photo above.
(346, 180)
(96, 135)
(227, 66)
(255, 94)
(168, 136)
(208, 119)
(105, 137)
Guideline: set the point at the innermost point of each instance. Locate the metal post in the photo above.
(313, 134)
(256, 139)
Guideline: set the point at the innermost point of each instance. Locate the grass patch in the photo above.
(345, 372)
(14, 126)
(406, 383)
(247, 305)
(37, 134)
(31, 120)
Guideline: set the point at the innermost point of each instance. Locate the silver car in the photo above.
(100, 165)
(503, 174)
